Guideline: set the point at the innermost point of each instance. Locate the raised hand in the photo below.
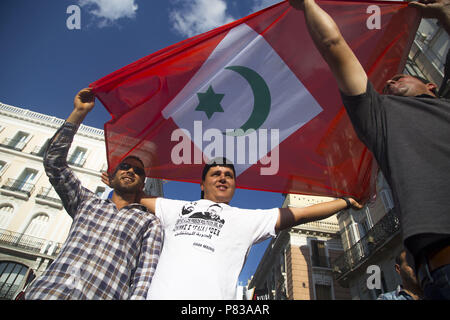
(105, 178)
(84, 100)
(83, 103)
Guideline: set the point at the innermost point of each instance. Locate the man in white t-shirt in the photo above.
(207, 241)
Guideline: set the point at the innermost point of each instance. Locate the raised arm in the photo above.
(437, 9)
(348, 72)
(290, 217)
(63, 180)
(149, 203)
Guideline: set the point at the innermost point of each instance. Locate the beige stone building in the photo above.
(297, 263)
(33, 222)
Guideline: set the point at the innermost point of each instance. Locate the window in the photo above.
(40, 150)
(386, 198)
(38, 226)
(323, 292)
(319, 256)
(11, 277)
(18, 142)
(6, 214)
(25, 181)
(354, 233)
(48, 194)
(367, 220)
(2, 167)
(78, 157)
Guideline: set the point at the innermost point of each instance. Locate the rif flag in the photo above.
(257, 92)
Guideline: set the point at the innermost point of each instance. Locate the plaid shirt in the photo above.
(109, 253)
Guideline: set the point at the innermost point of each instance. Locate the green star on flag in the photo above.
(209, 102)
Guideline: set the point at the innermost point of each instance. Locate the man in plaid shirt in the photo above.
(113, 245)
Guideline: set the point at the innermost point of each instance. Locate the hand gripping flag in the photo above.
(257, 92)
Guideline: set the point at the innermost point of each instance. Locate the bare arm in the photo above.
(438, 9)
(62, 178)
(348, 72)
(149, 203)
(290, 217)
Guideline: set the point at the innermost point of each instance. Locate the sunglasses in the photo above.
(126, 166)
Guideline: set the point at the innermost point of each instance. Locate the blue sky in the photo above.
(43, 63)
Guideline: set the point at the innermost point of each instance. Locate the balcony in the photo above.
(15, 144)
(29, 244)
(47, 196)
(39, 151)
(76, 159)
(375, 238)
(17, 188)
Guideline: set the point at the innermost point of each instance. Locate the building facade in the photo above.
(297, 263)
(428, 55)
(371, 238)
(33, 222)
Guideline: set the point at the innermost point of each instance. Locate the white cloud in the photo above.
(192, 17)
(261, 4)
(108, 11)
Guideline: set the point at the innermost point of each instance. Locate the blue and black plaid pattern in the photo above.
(109, 253)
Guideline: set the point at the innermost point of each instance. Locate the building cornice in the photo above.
(48, 121)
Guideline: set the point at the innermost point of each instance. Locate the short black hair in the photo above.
(221, 162)
(426, 81)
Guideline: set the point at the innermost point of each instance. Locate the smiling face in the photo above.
(408, 86)
(219, 184)
(126, 180)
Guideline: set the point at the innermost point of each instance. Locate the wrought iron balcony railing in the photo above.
(29, 243)
(19, 186)
(47, 194)
(16, 144)
(76, 160)
(39, 151)
(376, 237)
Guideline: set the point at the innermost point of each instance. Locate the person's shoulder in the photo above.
(174, 202)
(256, 211)
(362, 100)
(168, 200)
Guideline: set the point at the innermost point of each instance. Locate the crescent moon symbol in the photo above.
(262, 100)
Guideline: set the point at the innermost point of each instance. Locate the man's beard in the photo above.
(126, 189)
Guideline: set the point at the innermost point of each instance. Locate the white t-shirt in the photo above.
(205, 247)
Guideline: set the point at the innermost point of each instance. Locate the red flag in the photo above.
(262, 73)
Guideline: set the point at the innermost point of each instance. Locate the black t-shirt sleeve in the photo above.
(367, 114)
